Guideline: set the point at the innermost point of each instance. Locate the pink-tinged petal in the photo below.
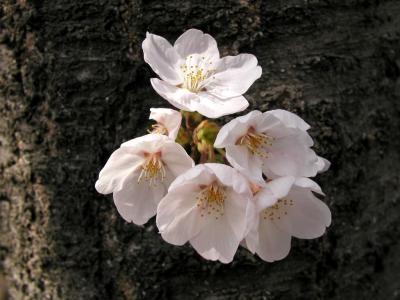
(137, 202)
(273, 191)
(228, 176)
(175, 157)
(162, 58)
(288, 156)
(309, 216)
(274, 244)
(234, 75)
(196, 176)
(194, 41)
(280, 187)
(266, 124)
(169, 118)
(239, 213)
(323, 164)
(245, 162)
(149, 143)
(178, 97)
(213, 107)
(119, 168)
(289, 119)
(178, 218)
(251, 240)
(264, 198)
(307, 183)
(232, 131)
(280, 131)
(216, 241)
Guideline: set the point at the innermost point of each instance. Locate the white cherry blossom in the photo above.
(168, 121)
(275, 143)
(286, 207)
(211, 207)
(139, 174)
(193, 77)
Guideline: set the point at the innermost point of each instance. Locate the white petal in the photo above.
(119, 168)
(169, 118)
(279, 131)
(178, 218)
(323, 164)
(137, 202)
(178, 97)
(194, 41)
(289, 119)
(236, 128)
(288, 156)
(309, 216)
(162, 58)
(274, 244)
(213, 107)
(245, 162)
(216, 241)
(176, 158)
(234, 76)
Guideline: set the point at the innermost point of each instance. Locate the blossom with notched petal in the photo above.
(168, 121)
(211, 207)
(195, 78)
(275, 143)
(286, 207)
(139, 174)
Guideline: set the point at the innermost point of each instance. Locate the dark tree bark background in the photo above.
(74, 86)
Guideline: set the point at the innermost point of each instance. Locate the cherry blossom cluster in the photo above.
(251, 185)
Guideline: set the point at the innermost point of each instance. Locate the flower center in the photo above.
(158, 128)
(256, 142)
(153, 169)
(211, 200)
(278, 210)
(196, 70)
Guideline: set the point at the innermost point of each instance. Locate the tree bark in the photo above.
(74, 86)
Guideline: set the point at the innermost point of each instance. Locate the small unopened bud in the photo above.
(207, 132)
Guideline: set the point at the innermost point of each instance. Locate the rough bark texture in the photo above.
(74, 86)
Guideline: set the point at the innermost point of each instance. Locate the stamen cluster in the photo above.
(256, 142)
(211, 200)
(196, 71)
(153, 169)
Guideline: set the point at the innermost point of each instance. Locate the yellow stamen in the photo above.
(278, 210)
(153, 169)
(211, 200)
(256, 142)
(195, 76)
